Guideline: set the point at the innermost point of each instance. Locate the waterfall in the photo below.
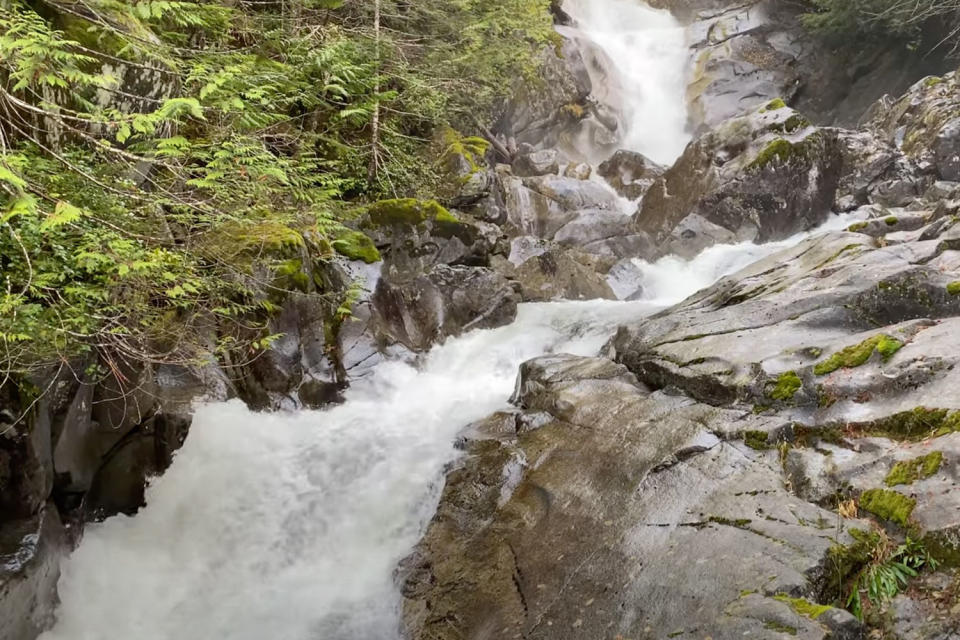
(638, 60)
(289, 526)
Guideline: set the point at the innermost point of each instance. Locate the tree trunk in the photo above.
(375, 119)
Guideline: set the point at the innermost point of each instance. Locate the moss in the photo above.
(756, 440)
(891, 220)
(804, 607)
(774, 105)
(747, 592)
(779, 149)
(408, 211)
(909, 471)
(944, 547)
(760, 408)
(856, 355)
(356, 245)
(916, 424)
(795, 123)
(290, 275)
(954, 288)
(932, 81)
(780, 628)
(787, 386)
(858, 226)
(888, 505)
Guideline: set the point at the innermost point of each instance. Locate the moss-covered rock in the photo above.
(909, 471)
(917, 424)
(356, 245)
(787, 386)
(756, 440)
(954, 288)
(409, 211)
(774, 105)
(855, 355)
(888, 505)
(804, 607)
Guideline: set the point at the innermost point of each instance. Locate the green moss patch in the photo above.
(774, 105)
(780, 628)
(916, 424)
(856, 355)
(857, 226)
(804, 607)
(888, 505)
(756, 440)
(891, 220)
(408, 211)
(954, 288)
(778, 150)
(356, 245)
(787, 386)
(909, 471)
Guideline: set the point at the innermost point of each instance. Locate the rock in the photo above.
(446, 301)
(627, 487)
(529, 213)
(876, 171)
(537, 163)
(558, 274)
(605, 232)
(572, 194)
(30, 553)
(694, 234)
(578, 171)
(630, 173)
(923, 124)
(766, 175)
(744, 57)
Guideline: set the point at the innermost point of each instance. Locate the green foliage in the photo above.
(856, 355)
(954, 288)
(853, 22)
(164, 163)
(886, 572)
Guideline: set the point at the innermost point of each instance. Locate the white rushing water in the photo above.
(288, 526)
(638, 60)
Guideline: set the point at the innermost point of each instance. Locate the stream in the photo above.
(289, 526)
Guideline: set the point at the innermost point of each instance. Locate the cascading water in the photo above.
(289, 526)
(638, 60)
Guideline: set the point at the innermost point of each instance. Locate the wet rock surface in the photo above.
(734, 465)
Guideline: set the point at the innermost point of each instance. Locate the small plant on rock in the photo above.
(889, 571)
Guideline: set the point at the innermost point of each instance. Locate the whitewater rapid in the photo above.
(289, 526)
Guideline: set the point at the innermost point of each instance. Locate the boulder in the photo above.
(30, 553)
(629, 173)
(556, 273)
(763, 176)
(568, 529)
(443, 302)
(578, 171)
(537, 163)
